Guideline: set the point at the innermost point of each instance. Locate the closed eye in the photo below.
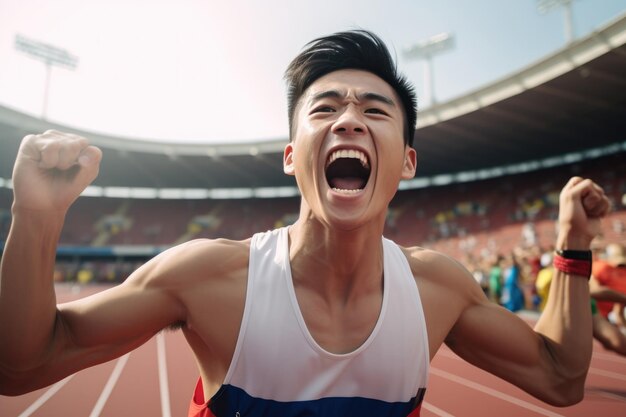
(323, 109)
(376, 111)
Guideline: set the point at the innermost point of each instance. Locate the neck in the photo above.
(345, 261)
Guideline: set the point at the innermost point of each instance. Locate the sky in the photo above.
(202, 71)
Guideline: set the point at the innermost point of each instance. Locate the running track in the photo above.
(158, 378)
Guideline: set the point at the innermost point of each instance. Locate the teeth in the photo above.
(339, 190)
(344, 153)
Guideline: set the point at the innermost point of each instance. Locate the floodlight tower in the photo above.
(544, 6)
(50, 56)
(426, 50)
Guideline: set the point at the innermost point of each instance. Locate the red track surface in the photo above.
(158, 379)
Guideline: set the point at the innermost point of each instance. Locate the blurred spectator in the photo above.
(512, 296)
(529, 234)
(58, 275)
(495, 279)
(85, 274)
(476, 268)
(608, 291)
(609, 276)
(544, 279)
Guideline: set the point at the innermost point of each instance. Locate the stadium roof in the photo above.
(570, 101)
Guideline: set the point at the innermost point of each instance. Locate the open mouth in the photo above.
(347, 171)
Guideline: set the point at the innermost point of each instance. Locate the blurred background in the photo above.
(182, 71)
(187, 101)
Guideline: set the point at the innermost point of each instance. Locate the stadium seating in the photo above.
(460, 219)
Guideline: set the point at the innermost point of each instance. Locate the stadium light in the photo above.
(425, 50)
(545, 6)
(51, 56)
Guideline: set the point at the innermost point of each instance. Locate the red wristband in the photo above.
(573, 266)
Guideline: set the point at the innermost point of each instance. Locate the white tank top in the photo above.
(279, 364)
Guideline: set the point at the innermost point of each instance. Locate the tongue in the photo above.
(347, 183)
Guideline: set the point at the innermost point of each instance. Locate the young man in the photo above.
(325, 317)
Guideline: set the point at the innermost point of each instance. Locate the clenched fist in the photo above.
(582, 204)
(52, 169)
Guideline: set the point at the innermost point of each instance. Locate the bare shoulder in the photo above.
(446, 289)
(195, 262)
(432, 267)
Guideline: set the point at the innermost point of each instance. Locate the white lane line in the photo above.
(607, 357)
(597, 355)
(435, 410)
(607, 374)
(45, 397)
(612, 396)
(163, 380)
(493, 392)
(106, 391)
(592, 370)
(448, 354)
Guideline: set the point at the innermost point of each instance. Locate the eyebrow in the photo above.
(367, 96)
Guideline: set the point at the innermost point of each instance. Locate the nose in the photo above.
(350, 122)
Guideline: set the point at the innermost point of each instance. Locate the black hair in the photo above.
(355, 49)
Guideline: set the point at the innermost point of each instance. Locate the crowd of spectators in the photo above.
(501, 229)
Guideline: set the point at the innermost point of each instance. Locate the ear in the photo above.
(410, 163)
(288, 167)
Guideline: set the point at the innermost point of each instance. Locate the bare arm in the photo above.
(42, 342)
(47, 178)
(550, 362)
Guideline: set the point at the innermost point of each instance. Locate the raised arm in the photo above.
(42, 343)
(552, 361)
(51, 170)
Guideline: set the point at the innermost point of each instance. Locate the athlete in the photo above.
(324, 317)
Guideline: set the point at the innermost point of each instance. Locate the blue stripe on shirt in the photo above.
(231, 401)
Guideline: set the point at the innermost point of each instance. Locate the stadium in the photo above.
(491, 164)
(527, 132)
